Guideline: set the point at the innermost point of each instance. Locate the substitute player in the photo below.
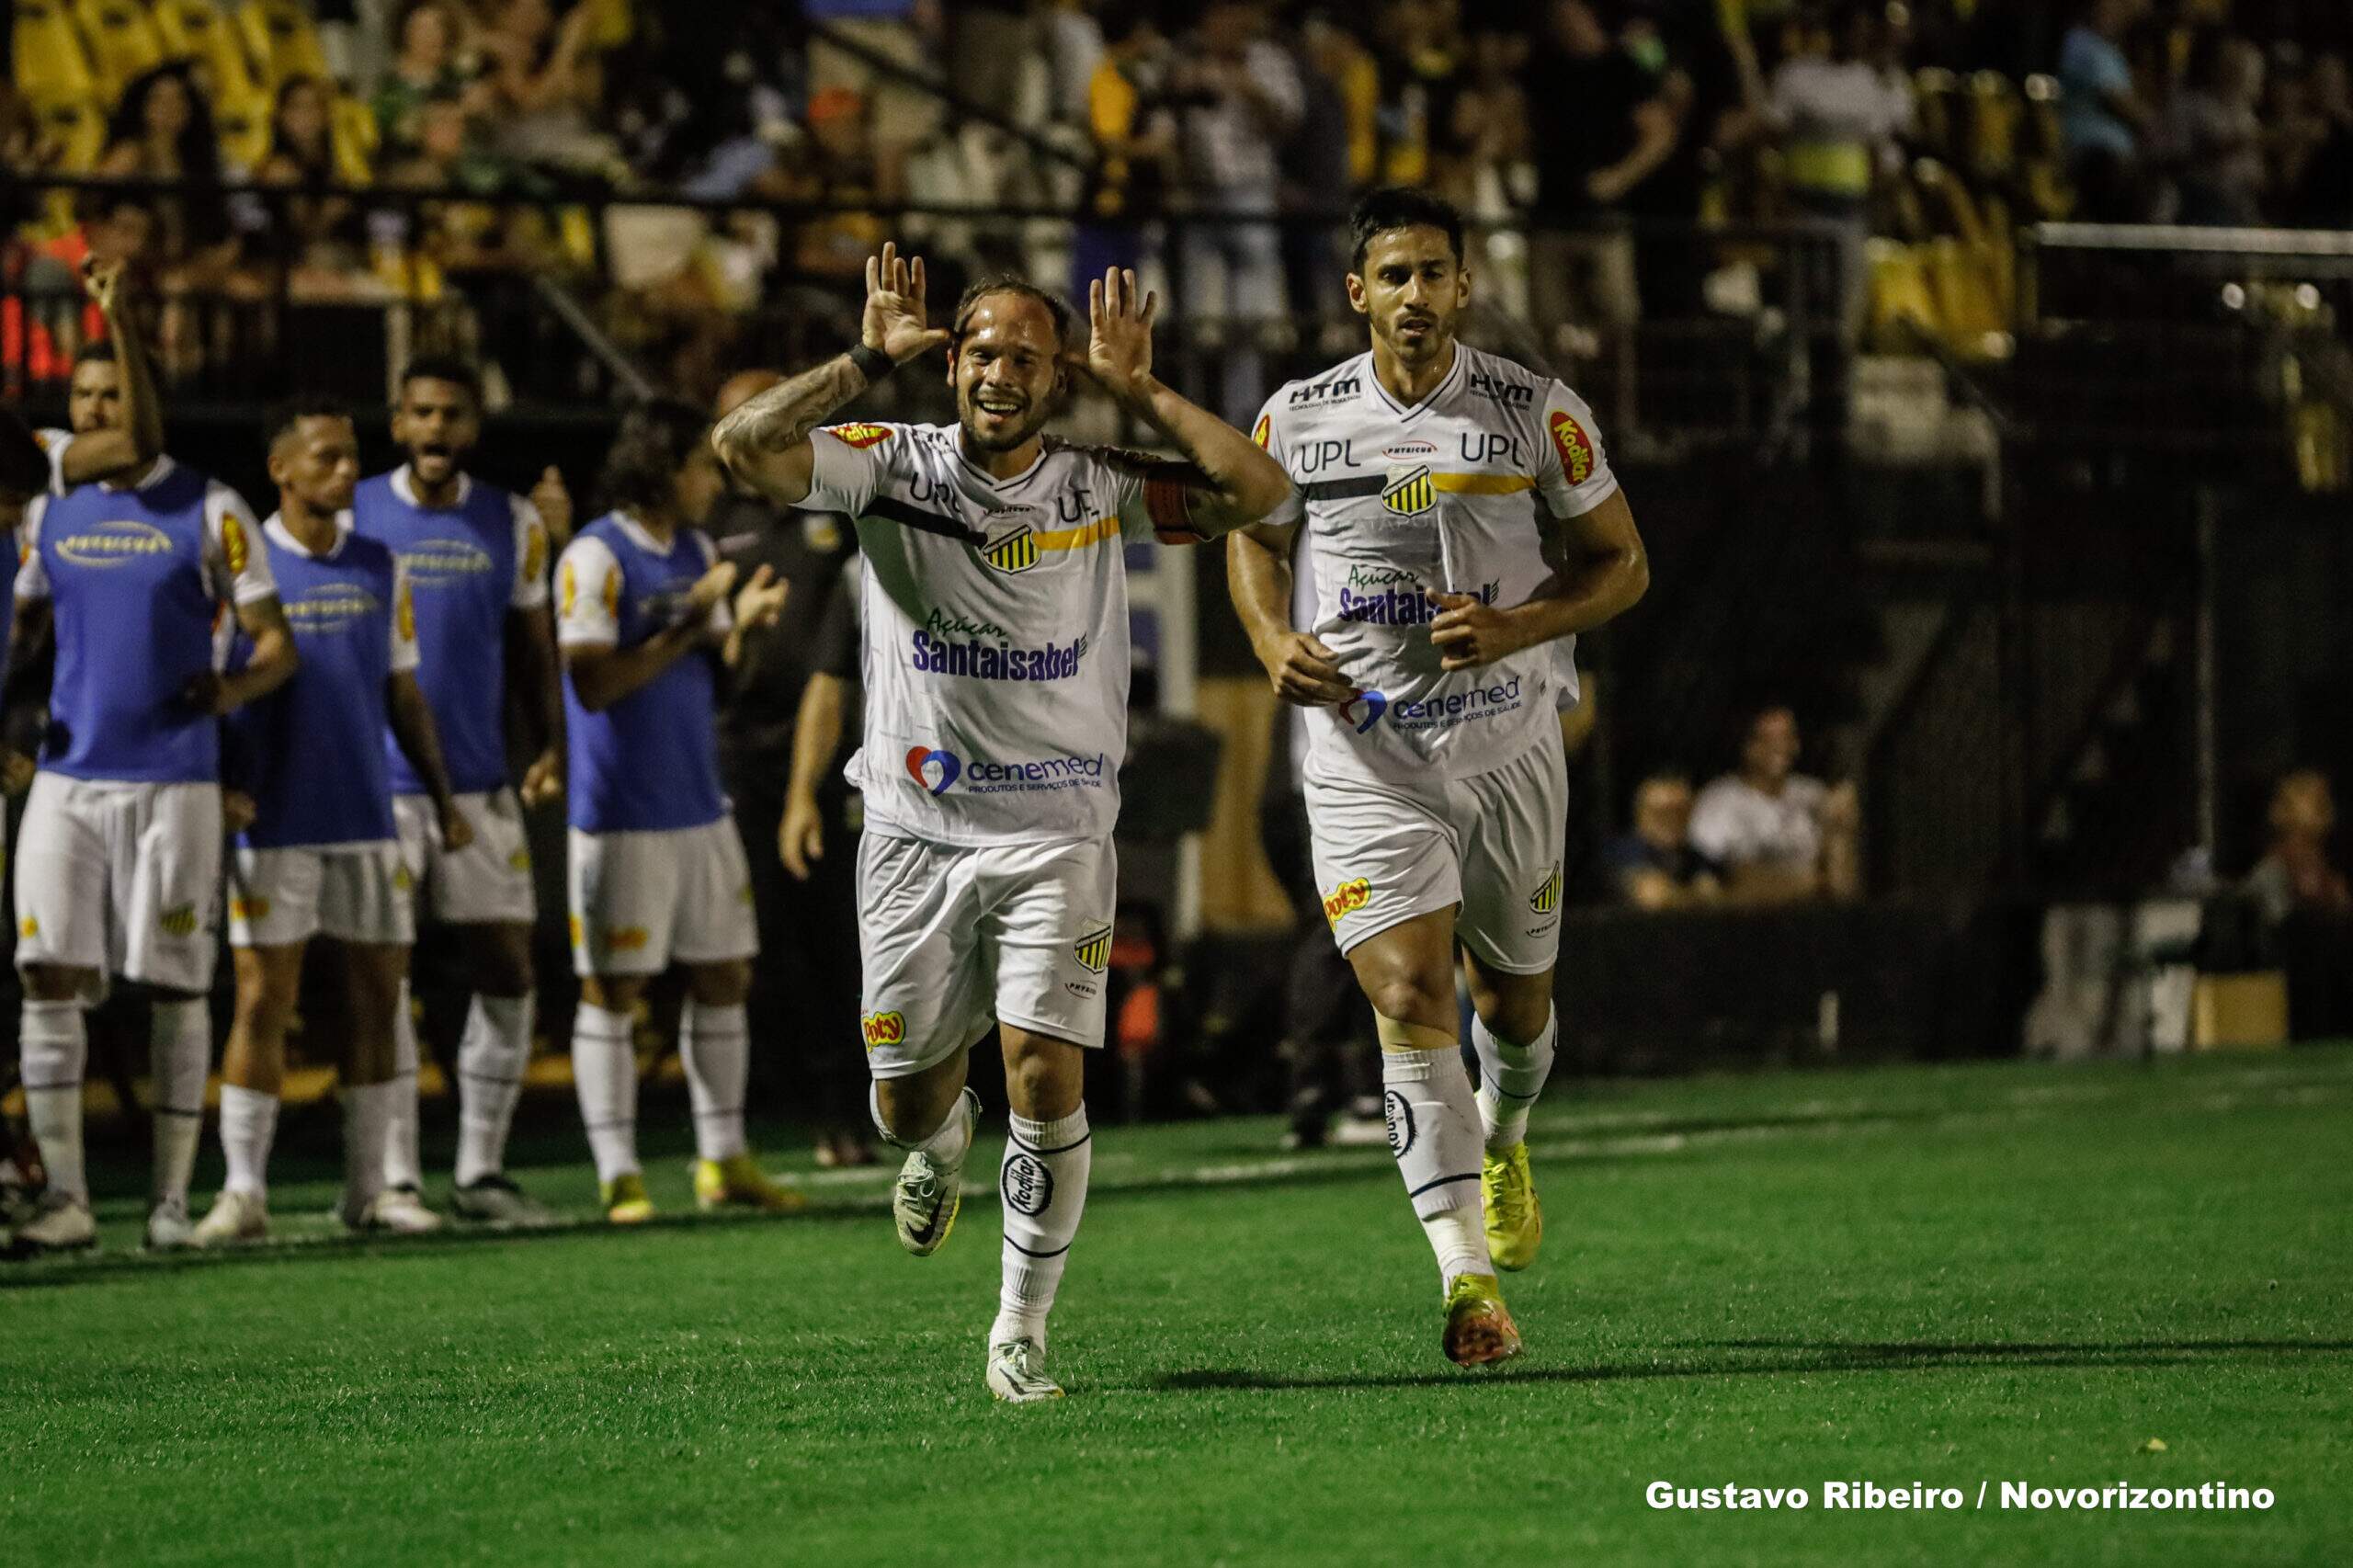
(320, 858)
(1428, 478)
(995, 622)
(477, 560)
(657, 872)
(119, 869)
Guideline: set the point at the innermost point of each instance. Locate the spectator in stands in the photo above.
(1654, 866)
(842, 167)
(544, 81)
(2320, 195)
(2211, 135)
(424, 68)
(900, 35)
(1317, 172)
(163, 131)
(1779, 836)
(1419, 49)
(2104, 118)
(1839, 116)
(2307, 905)
(1241, 98)
(1599, 128)
(318, 239)
(1135, 143)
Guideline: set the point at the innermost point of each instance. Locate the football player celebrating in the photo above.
(118, 873)
(116, 420)
(321, 857)
(1435, 781)
(995, 622)
(657, 872)
(476, 558)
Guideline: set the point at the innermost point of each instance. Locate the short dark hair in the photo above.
(1007, 283)
(24, 466)
(285, 413)
(1402, 207)
(654, 442)
(100, 352)
(443, 368)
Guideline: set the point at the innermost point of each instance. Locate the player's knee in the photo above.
(1519, 1012)
(503, 965)
(1045, 1079)
(613, 992)
(720, 985)
(1411, 998)
(56, 982)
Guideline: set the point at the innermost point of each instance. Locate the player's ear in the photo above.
(1356, 294)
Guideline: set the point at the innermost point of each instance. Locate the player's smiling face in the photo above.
(1411, 288)
(437, 423)
(1005, 372)
(93, 399)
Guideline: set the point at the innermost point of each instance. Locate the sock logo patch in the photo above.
(1398, 1112)
(1027, 1184)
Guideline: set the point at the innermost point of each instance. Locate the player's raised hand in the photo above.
(895, 322)
(1119, 318)
(1469, 631)
(1305, 672)
(554, 502)
(543, 780)
(103, 281)
(761, 601)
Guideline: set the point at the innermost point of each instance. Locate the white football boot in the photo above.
(925, 1201)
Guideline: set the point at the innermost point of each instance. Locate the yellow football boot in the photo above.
(1478, 1327)
(625, 1201)
(737, 1182)
(1514, 1220)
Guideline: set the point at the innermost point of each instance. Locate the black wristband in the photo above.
(873, 363)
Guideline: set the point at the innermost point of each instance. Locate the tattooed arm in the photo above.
(765, 442)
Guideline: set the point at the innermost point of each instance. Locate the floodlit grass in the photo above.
(1953, 1275)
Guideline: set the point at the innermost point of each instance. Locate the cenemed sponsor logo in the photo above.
(1369, 707)
(114, 544)
(434, 561)
(937, 771)
(976, 660)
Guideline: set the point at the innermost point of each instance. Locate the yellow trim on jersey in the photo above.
(1080, 537)
(1482, 484)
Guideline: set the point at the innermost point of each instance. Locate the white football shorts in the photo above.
(121, 878)
(1488, 846)
(641, 901)
(352, 892)
(486, 883)
(953, 938)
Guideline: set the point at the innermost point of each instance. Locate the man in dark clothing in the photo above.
(802, 998)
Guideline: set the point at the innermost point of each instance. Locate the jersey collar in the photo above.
(404, 486)
(642, 537)
(274, 525)
(1378, 395)
(155, 476)
(1045, 449)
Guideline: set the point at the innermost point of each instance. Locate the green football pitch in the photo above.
(2055, 1276)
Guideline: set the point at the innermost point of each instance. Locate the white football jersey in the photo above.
(993, 627)
(1450, 495)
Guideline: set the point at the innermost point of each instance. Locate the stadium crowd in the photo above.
(315, 148)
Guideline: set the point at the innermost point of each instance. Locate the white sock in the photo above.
(947, 1144)
(715, 1043)
(179, 1049)
(402, 1164)
(491, 1055)
(1434, 1134)
(248, 1124)
(368, 1112)
(55, 1046)
(604, 1069)
(1511, 1076)
(1044, 1183)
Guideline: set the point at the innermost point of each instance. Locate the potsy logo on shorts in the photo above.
(1346, 899)
(936, 771)
(884, 1028)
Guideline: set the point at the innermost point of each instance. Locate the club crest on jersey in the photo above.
(1576, 446)
(1093, 950)
(858, 436)
(114, 544)
(1364, 711)
(884, 1028)
(1029, 1185)
(1008, 541)
(1410, 490)
(932, 769)
(1547, 896)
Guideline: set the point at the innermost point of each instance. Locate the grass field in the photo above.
(1953, 1275)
